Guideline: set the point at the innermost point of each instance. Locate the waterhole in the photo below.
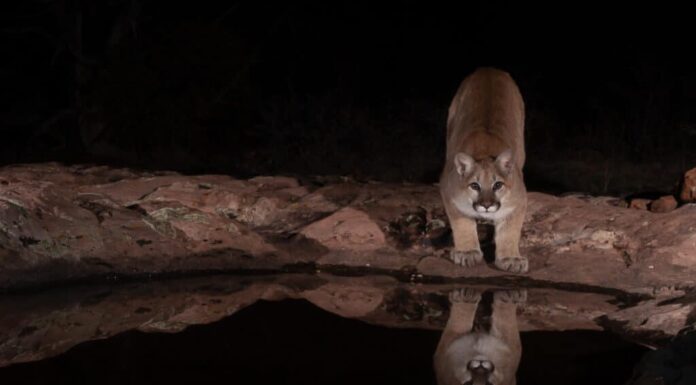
(309, 330)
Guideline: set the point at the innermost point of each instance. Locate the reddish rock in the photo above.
(346, 229)
(60, 223)
(688, 191)
(663, 204)
(639, 204)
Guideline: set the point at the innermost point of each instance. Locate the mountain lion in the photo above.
(482, 178)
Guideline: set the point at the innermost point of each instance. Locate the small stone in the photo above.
(639, 204)
(663, 204)
(688, 191)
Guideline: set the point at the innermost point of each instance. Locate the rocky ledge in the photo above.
(595, 263)
(75, 223)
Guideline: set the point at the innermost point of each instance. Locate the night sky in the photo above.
(346, 88)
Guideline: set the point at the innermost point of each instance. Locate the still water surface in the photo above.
(457, 336)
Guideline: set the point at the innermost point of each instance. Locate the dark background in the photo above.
(346, 88)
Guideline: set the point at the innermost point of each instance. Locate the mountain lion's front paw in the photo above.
(468, 258)
(512, 264)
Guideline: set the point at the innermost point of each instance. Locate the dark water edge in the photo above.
(294, 342)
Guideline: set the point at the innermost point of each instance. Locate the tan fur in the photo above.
(460, 343)
(485, 145)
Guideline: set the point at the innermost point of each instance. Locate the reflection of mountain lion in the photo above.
(480, 346)
(482, 177)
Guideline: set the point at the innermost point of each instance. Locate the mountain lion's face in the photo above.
(483, 185)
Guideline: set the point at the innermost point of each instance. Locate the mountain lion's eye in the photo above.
(475, 186)
(497, 186)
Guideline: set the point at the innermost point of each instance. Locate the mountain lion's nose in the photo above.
(486, 207)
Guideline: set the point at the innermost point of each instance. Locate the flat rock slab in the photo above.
(72, 223)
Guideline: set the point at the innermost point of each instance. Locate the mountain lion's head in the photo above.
(483, 188)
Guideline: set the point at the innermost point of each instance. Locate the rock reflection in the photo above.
(480, 320)
(480, 344)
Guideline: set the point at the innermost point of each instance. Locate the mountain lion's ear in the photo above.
(464, 163)
(504, 162)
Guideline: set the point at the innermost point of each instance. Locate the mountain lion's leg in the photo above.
(507, 240)
(467, 251)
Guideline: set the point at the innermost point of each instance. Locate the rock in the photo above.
(62, 224)
(663, 204)
(640, 203)
(347, 229)
(688, 190)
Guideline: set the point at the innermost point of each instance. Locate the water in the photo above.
(266, 331)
